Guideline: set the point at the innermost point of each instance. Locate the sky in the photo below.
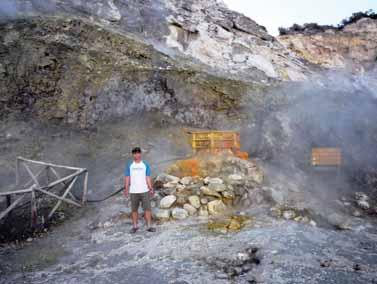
(284, 13)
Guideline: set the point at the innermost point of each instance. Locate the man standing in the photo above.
(138, 185)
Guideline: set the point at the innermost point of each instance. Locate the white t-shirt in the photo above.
(138, 173)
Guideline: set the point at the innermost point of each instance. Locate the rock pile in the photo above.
(290, 213)
(228, 185)
(228, 224)
(240, 264)
(362, 200)
(365, 203)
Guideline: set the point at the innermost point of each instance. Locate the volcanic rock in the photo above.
(194, 201)
(167, 201)
(189, 208)
(210, 192)
(179, 213)
(162, 214)
(216, 207)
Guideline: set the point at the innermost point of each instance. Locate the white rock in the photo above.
(167, 178)
(242, 256)
(162, 214)
(209, 180)
(186, 180)
(180, 187)
(204, 201)
(363, 204)
(203, 211)
(189, 208)
(194, 201)
(107, 224)
(216, 207)
(218, 187)
(170, 184)
(313, 223)
(289, 214)
(167, 201)
(179, 213)
(257, 175)
(305, 219)
(361, 196)
(216, 180)
(235, 177)
(228, 194)
(29, 240)
(206, 191)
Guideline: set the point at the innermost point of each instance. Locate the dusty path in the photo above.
(184, 252)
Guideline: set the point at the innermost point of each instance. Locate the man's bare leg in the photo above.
(134, 217)
(148, 218)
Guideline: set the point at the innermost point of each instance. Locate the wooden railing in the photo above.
(28, 191)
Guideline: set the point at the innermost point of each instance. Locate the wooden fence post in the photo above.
(85, 189)
(63, 196)
(17, 171)
(67, 181)
(34, 215)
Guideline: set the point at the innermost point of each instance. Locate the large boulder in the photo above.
(256, 175)
(203, 212)
(186, 180)
(204, 201)
(181, 199)
(216, 207)
(209, 180)
(162, 214)
(179, 213)
(210, 192)
(189, 208)
(236, 179)
(362, 200)
(289, 214)
(165, 178)
(228, 194)
(218, 187)
(167, 201)
(194, 201)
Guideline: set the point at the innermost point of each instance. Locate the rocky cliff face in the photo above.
(205, 31)
(353, 47)
(79, 62)
(79, 73)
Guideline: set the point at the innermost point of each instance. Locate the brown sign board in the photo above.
(326, 157)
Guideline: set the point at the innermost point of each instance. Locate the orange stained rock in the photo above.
(189, 167)
(242, 155)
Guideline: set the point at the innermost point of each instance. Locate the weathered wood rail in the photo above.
(28, 191)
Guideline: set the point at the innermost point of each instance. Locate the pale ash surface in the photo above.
(180, 252)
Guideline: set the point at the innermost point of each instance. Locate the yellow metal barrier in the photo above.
(215, 140)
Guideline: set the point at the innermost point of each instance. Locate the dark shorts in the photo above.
(136, 198)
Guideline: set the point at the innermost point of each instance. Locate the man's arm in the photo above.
(126, 186)
(148, 178)
(150, 186)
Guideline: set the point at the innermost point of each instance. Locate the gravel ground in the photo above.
(184, 252)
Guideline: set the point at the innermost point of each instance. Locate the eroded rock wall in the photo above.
(79, 73)
(353, 47)
(224, 41)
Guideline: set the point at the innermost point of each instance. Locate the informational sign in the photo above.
(326, 157)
